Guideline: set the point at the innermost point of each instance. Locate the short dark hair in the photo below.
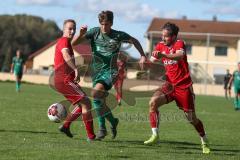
(172, 28)
(69, 20)
(105, 16)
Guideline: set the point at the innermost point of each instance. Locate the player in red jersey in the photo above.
(122, 71)
(178, 86)
(66, 78)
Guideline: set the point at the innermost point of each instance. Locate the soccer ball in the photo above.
(57, 112)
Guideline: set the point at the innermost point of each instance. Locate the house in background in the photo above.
(42, 61)
(212, 46)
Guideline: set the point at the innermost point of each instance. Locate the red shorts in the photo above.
(184, 98)
(72, 91)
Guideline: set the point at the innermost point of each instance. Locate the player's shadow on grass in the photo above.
(192, 147)
(226, 151)
(119, 157)
(135, 142)
(27, 131)
(178, 143)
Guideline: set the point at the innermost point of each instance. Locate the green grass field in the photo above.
(26, 132)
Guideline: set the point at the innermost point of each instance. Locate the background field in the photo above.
(26, 133)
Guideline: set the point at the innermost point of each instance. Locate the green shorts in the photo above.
(107, 78)
(237, 89)
(18, 74)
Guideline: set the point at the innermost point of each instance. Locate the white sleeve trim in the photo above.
(64, 49)
(181, 50)
(153, 59)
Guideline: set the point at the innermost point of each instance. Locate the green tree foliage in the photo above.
(25, 32)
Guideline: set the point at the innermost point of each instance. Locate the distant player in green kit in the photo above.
(105, 44)
(18, 67)
(236, 84)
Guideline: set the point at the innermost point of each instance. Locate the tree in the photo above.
(25, 32)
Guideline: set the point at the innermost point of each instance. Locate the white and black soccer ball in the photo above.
(57, 112)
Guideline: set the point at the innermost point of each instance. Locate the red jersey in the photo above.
(61, 68)
(177, 71)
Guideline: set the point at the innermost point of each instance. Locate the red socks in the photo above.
(118, 96)
(154, 122)
(77, 111)
(88, 121)
(154, 119)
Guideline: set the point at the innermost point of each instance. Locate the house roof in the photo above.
(214, 27)
(82, 49)
(42, 50)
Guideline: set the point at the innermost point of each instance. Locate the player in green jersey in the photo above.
(105, 44)
(18, 67)
(235, 79)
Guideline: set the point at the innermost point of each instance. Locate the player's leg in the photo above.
(87, 117)
(99, 94)
(18, 81)
(185, 100)
(118, 88)
(65, 128)
(226, 94)
(198, 125)
(236, 97)
(158, 99)
(113, 121)
(229, 93)
(120, 91)
(75, 113)
(75, 95)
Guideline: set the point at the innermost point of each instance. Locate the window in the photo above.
(220, 51)
(45, 68)
(218, 74)
(189, 49)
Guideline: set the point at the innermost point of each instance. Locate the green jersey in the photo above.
(236, 81)
(236, 78)
(18, 65)
(105, 48)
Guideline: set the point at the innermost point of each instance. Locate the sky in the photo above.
(131, 16)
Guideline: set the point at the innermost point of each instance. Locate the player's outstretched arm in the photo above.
(81, 37)
(138, 46)
(176, 56)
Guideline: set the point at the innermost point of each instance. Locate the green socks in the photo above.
(97, 104)
(103, 113)
(236, 104)
(18, 86)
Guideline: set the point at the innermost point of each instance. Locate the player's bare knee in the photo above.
(191, 117)
(153, 105)
(97, 93)
(86, 103)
